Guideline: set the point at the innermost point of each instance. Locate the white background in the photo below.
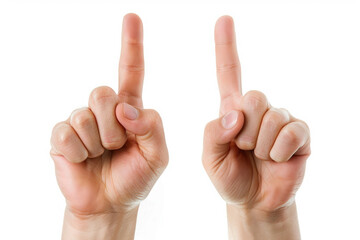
(304, 57)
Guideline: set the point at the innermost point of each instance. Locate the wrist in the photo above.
(112, 225)
(254, 224)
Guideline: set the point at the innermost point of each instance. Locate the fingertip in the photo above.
(241, 119)
(125, 111)
(131, 118)
(132, 18)
(231, 119)
(217, 136)
(224, 129)
(131, 15)
(277, 157)
(132, 28)
(231, 132)
(119, 112)
(130, 112)
(225, 19)
(224, 30)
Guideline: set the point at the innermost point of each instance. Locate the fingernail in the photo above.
(130, 112)
(230, 119)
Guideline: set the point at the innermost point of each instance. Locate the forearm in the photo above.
(253, 224)
(110, 226)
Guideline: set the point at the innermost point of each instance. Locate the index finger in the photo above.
(131, 64)
(227, 60)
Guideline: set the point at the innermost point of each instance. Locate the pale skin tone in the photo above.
(109, 155)
(254, 154)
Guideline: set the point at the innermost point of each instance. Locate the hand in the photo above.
(254, 154)
(109, 155)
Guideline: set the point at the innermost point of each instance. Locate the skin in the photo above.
(254, 154)
(109, 155)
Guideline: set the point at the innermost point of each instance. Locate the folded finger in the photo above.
(273, 121)
(253, 105)
(84, 123)
(291, 139)
(102, 102)
(65, 142)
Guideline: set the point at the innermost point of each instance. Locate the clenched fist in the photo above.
(109, 155)
(254, 154)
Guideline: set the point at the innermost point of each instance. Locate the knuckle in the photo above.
(134, 42)
(305, 126)
(246, 142)
(155, 118)
(101, 94)
(204, 161)
(164, 159)
(125, 96)
(81, 118)
(284, 111)
(255, 101)
(274, 117)
(221, 68)
(260, 155)
(208, 129)
(63, 135)
(113, 142)
(113, 145)
(98, 153)
(290, 136)
(137, 68)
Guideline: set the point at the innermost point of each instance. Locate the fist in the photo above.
(109, 155)
(254, 154)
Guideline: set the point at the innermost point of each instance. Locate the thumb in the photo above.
(218, 135)
(147, 127)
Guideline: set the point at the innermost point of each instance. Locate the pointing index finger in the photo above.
(227, 60)
(131, 64)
